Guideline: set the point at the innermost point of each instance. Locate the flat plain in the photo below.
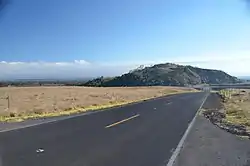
(237, 105)
(20, 103)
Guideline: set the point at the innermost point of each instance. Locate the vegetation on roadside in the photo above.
(225, 94)
(237, 106)
(231, 113)
(18, 117)
(42, 102)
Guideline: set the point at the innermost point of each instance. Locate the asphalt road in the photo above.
(144, 134)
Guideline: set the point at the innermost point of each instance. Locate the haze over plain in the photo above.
(61, 39)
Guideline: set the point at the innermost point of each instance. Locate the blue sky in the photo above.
(111, 37)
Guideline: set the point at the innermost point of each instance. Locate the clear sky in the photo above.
(52, 38)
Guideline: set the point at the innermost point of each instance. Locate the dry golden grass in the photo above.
(35, 102)
(237, 106)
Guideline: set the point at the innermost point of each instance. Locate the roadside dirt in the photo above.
(220, 115)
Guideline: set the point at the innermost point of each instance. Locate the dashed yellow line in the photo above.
(122, 121)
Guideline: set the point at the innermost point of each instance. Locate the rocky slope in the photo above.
(167, 74)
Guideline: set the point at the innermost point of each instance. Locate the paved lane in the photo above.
(143, 134)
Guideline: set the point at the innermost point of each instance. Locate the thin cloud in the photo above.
(59, 70)
(233, 63)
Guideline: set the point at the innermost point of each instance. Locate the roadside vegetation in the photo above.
(21, 103)
(237, 106)
(232, 111)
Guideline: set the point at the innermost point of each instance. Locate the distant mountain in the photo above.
(166, 74)
(43, 82)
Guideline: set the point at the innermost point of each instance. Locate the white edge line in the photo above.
(179, 146)
(49, 121)
(45, 122)
(73, 116)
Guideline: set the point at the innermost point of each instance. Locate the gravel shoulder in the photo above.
(208, 145)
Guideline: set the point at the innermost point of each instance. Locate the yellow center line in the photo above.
(122, 121)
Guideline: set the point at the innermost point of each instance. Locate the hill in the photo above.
(166, 74)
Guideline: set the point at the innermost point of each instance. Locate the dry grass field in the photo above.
(237, 106)
(35, 102)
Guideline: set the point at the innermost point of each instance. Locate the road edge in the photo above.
(180, 144)
(89, 112)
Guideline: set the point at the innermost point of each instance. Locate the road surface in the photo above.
(143, 134)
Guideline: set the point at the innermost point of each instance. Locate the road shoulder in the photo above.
(208, 145)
